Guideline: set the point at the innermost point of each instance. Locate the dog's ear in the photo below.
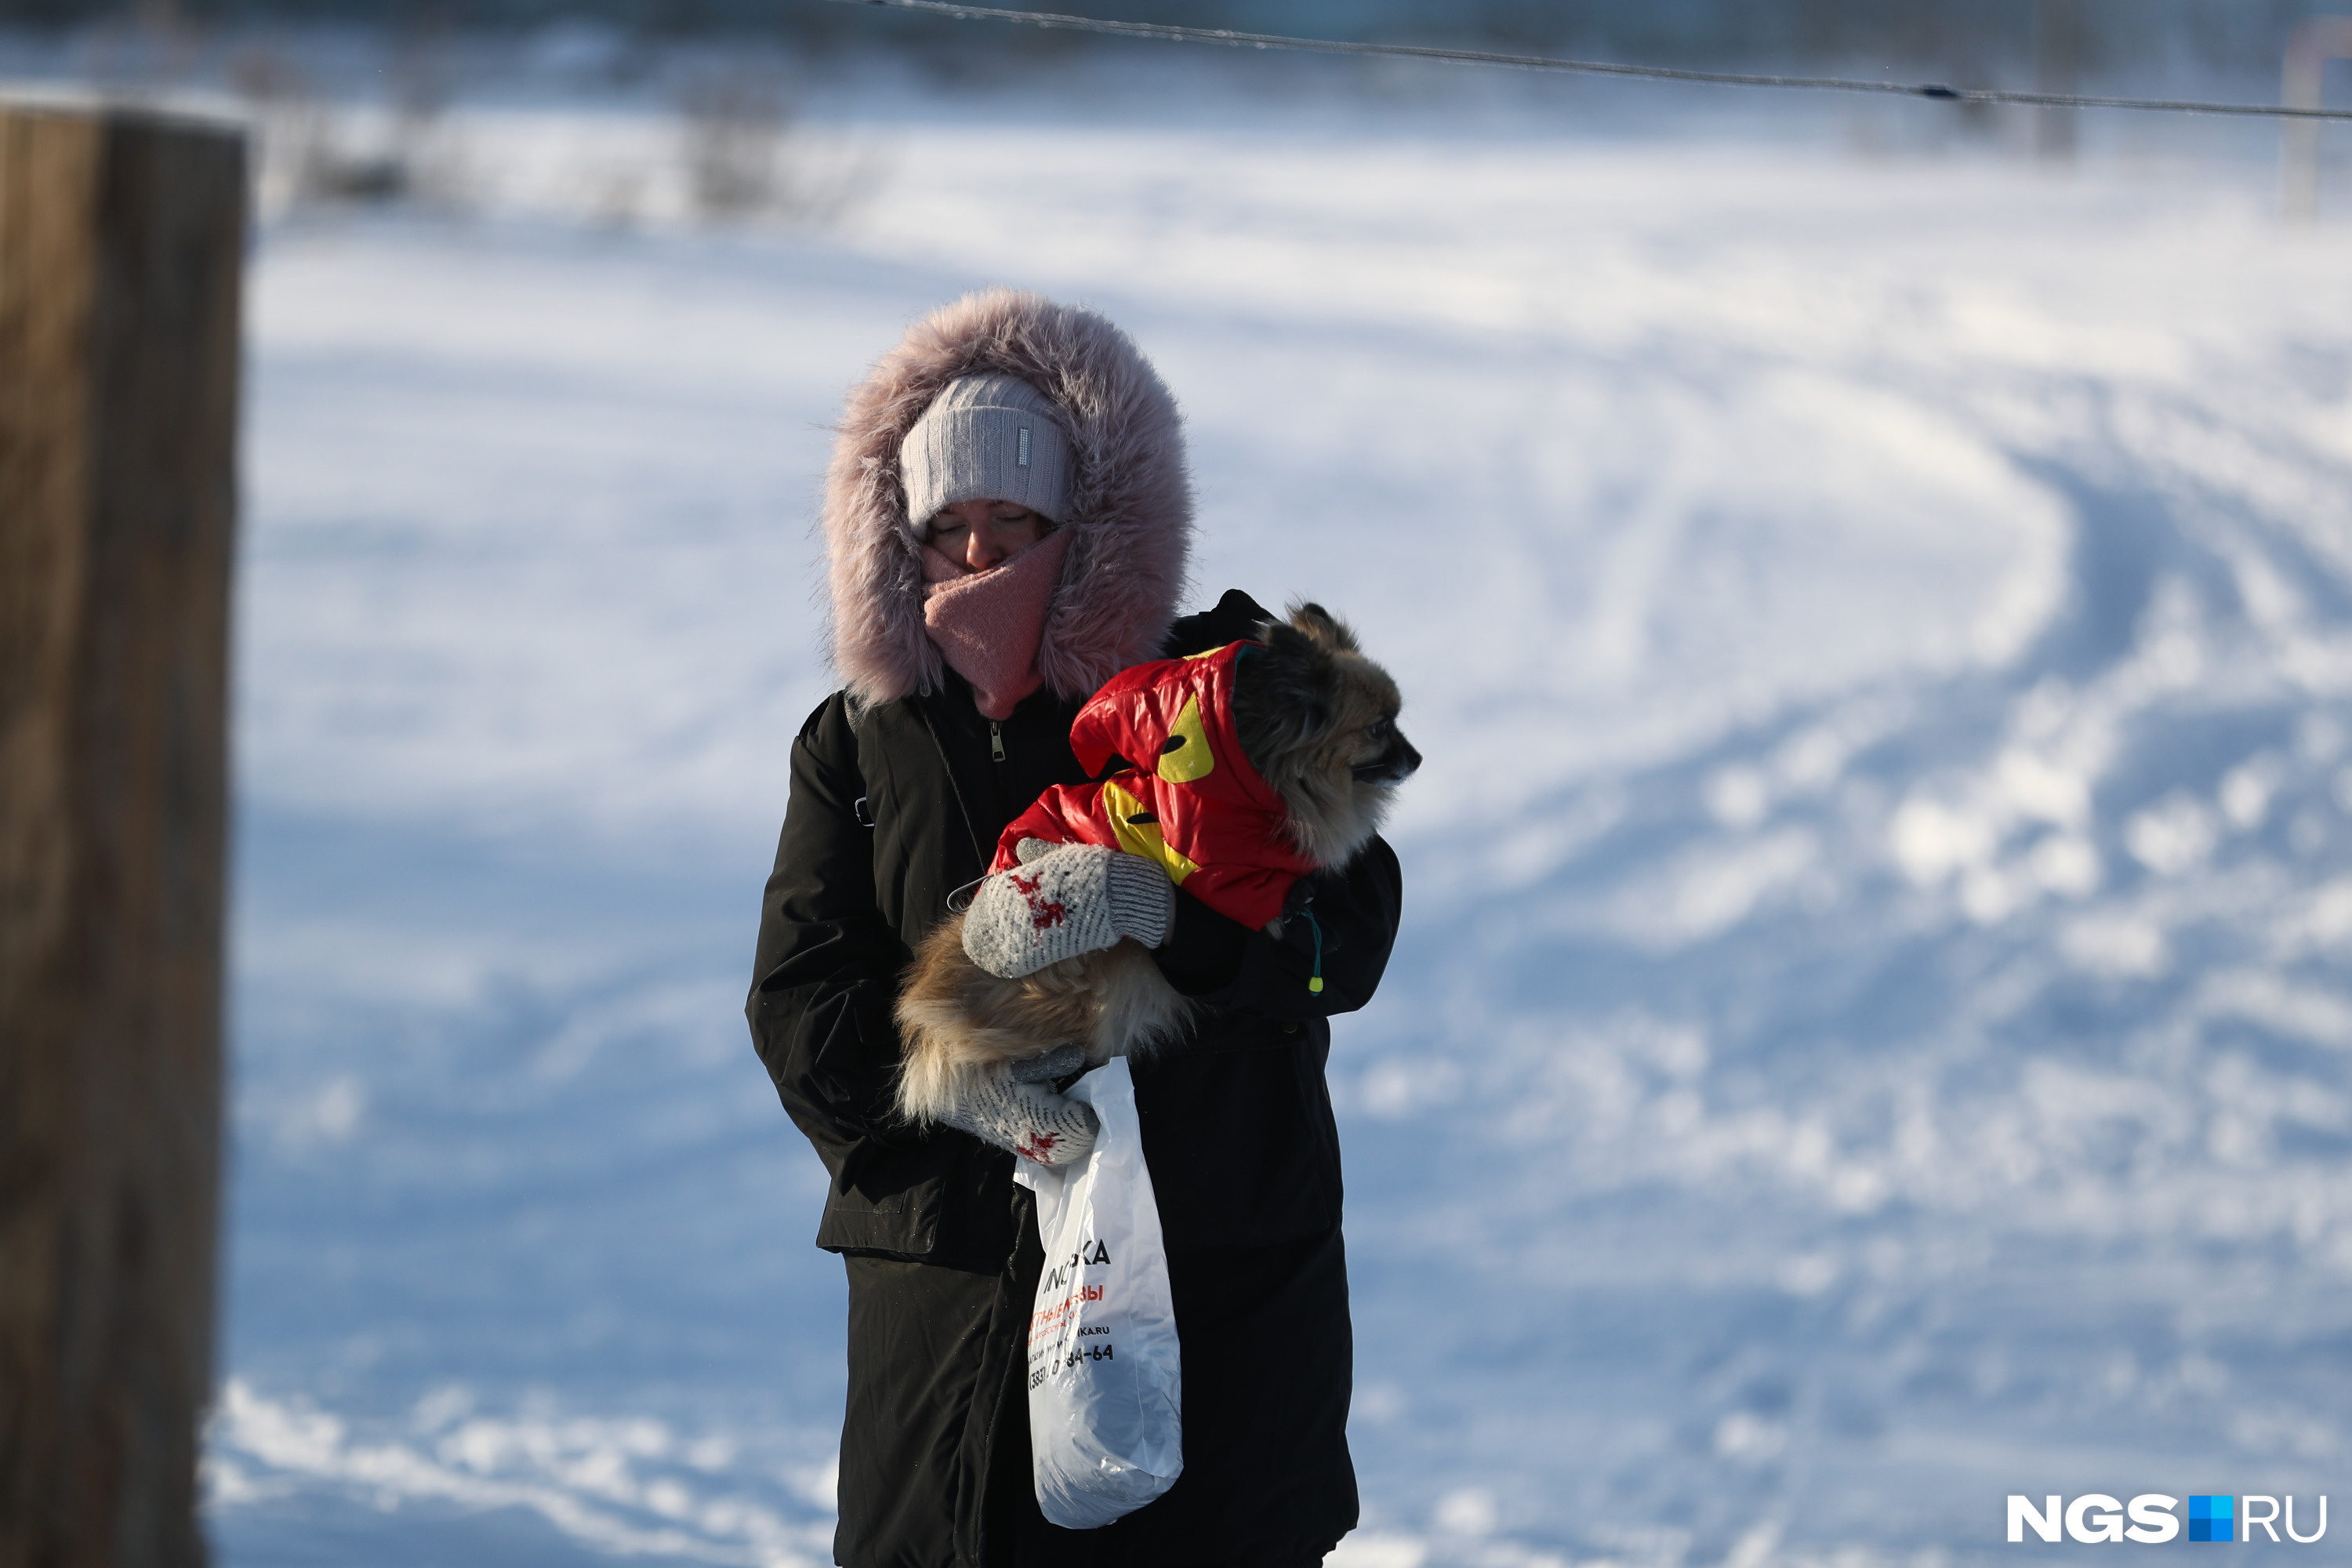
(1298, 680)
(1325, 627)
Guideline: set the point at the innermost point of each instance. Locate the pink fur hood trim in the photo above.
(1131, 509)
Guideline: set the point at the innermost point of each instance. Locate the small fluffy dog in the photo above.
(1253, 764)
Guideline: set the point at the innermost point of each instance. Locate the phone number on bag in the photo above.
(1053, 1365)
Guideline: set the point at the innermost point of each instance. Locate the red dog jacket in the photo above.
(1192, 803)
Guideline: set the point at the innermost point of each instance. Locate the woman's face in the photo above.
(980, 534)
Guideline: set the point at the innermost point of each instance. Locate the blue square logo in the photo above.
(2213, 1519)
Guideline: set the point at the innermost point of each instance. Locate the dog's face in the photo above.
(1318, 722)
(1388, 758)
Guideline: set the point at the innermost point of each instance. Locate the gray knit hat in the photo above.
(986, 437)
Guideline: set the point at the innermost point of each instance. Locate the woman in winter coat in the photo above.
(1007, 518)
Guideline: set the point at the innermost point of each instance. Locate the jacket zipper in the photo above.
(995, 741)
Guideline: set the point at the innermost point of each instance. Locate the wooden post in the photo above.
(121, 243)
(2315, 42)
(2057, 51)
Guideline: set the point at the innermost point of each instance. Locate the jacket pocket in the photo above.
(899, 1226)
(888, 1200)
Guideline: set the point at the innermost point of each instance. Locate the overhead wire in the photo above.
(1169, 33)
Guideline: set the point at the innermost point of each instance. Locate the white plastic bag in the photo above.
(1106, 1390)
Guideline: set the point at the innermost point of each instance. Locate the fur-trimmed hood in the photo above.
(1130, 509)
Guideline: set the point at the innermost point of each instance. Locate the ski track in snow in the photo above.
(1872, 1030)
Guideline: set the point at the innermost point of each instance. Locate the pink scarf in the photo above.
(987, 624)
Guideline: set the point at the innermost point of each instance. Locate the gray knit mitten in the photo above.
(1064, 900)
(1029, 1119)
(1061, 1061)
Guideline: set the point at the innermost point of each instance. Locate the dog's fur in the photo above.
(1317, 721)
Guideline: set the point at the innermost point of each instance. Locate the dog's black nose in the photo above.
(1391, 767)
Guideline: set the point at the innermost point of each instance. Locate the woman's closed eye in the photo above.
(980, 534)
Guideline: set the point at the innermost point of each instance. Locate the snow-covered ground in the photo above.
(1872, 1033)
